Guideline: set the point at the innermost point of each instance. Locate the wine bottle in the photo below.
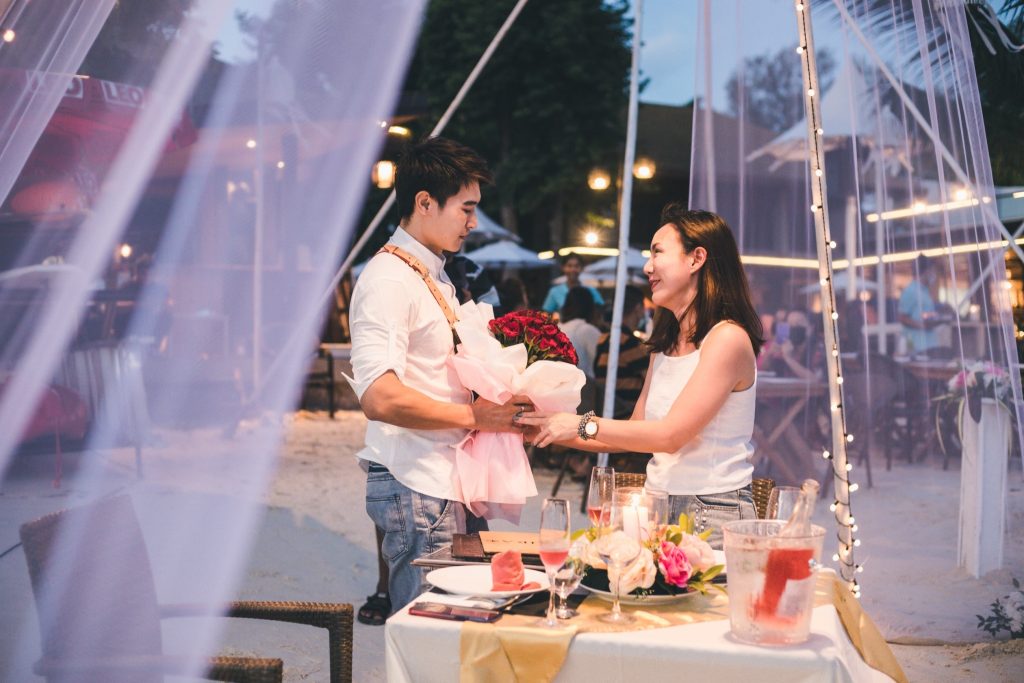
(799, 523)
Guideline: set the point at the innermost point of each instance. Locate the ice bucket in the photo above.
(771, 581)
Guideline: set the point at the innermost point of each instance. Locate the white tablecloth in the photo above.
(424, 649)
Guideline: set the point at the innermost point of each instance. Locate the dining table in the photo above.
(423, 650)
(795, 393)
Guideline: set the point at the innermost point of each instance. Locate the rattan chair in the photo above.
(624, 479)
(762, 490)
(124, 641)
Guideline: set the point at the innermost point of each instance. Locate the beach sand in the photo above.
(315, 543)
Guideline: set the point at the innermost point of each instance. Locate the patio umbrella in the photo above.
(603, 270)
(506, 254)
(487, 230)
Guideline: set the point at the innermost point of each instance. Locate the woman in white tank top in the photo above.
(696, 411)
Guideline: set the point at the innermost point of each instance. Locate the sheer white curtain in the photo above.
(168, 267)
(913, 214)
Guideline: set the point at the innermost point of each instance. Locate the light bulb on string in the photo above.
(839, 380)
(832, 244)
(849, 437)
(833, 506)
(854, 487)
(849, 466)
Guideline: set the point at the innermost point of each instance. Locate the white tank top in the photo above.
(716, 460)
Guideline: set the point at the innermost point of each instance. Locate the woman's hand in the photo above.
(550, 427)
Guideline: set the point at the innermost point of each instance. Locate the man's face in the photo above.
(572, 269)
(446, 228)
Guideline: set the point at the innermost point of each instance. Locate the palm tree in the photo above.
(996, 36)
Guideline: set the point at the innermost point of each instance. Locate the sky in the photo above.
(669, 55)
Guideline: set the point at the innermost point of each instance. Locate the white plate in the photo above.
(643, 599)
(653, 599)
(476, 580)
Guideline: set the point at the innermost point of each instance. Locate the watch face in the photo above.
(591, 429)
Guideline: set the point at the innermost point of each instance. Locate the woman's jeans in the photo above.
(414, 525)
(712, 510)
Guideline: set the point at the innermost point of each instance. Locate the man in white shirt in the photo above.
(401, 341)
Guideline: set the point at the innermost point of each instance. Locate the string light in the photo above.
(840, 462)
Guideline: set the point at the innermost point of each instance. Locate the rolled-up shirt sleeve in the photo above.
(380, 320)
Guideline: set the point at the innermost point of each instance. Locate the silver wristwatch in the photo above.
(588, 426)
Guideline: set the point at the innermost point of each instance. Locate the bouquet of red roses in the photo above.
(538, 332)
(519, 354)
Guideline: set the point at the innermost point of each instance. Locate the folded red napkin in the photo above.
(508, 574)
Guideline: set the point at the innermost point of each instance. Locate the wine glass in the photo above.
(782, 501)
(567, 579)
(601, 491)
(553, 546)
(617, 549)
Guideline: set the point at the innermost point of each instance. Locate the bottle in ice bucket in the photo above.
(770, 573)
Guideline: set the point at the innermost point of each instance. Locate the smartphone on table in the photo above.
(454, 612)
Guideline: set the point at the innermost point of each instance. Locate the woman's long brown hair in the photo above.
(722, 289)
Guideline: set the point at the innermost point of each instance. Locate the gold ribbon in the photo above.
(512, 653)
(864, 634)
(517, 650)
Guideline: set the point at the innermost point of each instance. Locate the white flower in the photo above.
(640, 573)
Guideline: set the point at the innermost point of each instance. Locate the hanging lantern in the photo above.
(384, 174)
(599, 180)
(644, 168)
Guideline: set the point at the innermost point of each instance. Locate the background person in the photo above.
(572, 266)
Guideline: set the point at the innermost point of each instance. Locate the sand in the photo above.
(315, 543)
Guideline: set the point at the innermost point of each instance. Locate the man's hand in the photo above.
(492, 417)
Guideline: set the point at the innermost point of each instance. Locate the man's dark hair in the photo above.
(924, 263)
(579, 303)
(631, 298)
(440, 167)
(572, 256)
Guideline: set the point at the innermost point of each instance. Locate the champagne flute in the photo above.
(567, 579)
(617, 549)
(553, 546)
(601, 491)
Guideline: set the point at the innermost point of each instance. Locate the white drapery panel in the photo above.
(171, 221)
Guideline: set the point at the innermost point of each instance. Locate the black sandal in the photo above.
(376, 610)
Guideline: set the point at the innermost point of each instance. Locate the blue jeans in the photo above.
(712, 510)
(414, 525)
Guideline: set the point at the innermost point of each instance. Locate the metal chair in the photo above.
(122, 627)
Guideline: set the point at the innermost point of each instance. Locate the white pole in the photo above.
(390, 201)
(441, 124)
(625, 210)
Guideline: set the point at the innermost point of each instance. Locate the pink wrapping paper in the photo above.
(492, 473)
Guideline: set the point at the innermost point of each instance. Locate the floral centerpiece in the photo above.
(967, 388)
(519, 354)
(672, 561)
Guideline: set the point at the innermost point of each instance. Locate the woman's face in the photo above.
(671, 270)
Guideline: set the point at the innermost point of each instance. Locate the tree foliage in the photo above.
(134, 40)
(549, 106)
(770, 87)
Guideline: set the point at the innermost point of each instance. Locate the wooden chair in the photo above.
(116, 636)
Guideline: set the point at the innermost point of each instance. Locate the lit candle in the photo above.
(636, 519)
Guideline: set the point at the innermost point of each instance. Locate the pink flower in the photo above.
(674, 565)
(698, 552)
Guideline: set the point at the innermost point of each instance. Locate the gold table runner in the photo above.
(515, 649)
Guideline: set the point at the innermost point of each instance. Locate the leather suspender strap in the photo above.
(422, 271)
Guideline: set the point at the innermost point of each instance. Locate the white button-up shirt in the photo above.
(397, 325)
